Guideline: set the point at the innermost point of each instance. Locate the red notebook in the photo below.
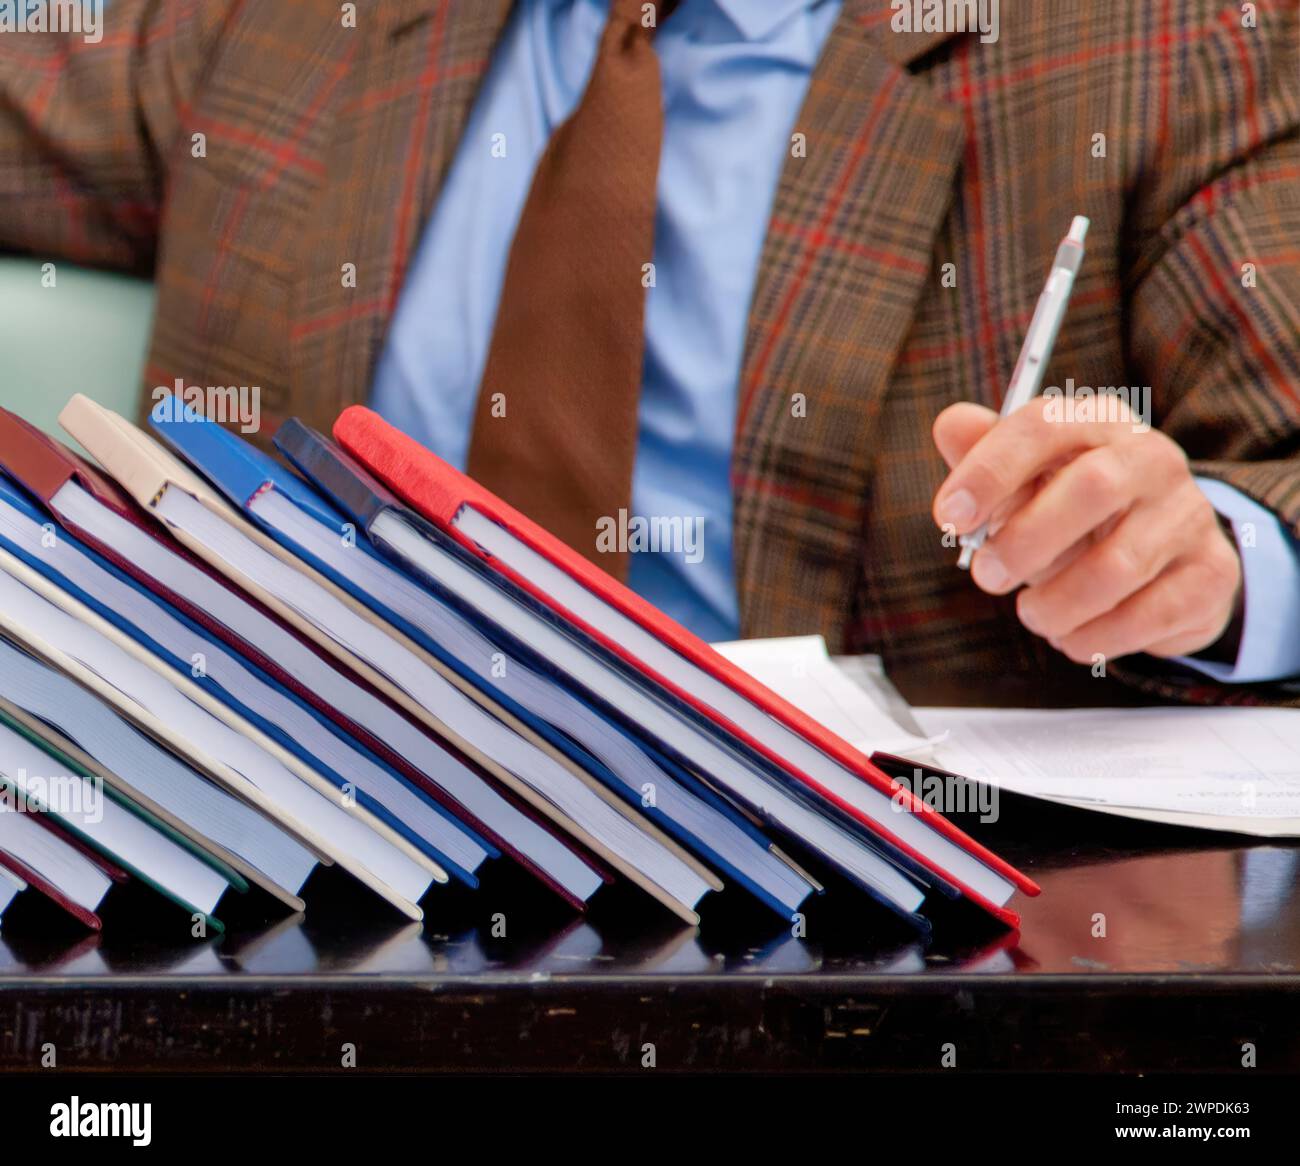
(43, 465)
(441, 494)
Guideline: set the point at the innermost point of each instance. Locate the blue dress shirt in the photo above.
(735, 73)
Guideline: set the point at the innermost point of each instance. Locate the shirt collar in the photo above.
(756, 20)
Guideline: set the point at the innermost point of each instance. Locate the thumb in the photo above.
(959, 427)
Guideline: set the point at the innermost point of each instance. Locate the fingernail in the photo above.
(1027, 618)
(989, 571)
(957, 508)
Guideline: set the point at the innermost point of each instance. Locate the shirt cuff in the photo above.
(1270, 565)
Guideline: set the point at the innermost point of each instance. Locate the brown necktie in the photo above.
(555, 428)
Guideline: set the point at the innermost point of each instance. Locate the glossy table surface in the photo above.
(1150, 949)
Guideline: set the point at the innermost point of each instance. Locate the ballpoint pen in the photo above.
(1037, 348)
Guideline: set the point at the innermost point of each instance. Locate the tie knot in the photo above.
(644, 14)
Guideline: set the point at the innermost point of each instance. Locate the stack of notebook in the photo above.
(219, 671)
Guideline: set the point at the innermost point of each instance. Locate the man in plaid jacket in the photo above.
(282, 166)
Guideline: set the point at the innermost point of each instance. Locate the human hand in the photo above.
(1099, 522)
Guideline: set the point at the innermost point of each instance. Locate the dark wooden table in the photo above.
(1151, 949)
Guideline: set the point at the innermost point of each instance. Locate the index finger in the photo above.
(1012, 454)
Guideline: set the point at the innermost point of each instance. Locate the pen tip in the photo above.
(1078, 229)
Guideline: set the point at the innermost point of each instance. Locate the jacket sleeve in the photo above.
(87, 122)
(1214, 317)
(1213, 275)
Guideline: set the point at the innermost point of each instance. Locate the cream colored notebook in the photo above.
(343, 819)
(146, 471)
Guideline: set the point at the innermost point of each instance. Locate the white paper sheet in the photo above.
(1234, 769)
(1222, 768)
(800, 669)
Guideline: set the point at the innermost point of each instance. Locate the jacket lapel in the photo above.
(416, 69)
(847, 254)
(899, 30)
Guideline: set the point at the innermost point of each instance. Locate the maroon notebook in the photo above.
(42, 465)
(36, 883)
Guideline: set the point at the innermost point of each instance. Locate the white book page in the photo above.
(157, 776)
(141, 685)
(124, 837)
(61, 865)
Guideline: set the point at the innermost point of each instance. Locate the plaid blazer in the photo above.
(906, 248)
